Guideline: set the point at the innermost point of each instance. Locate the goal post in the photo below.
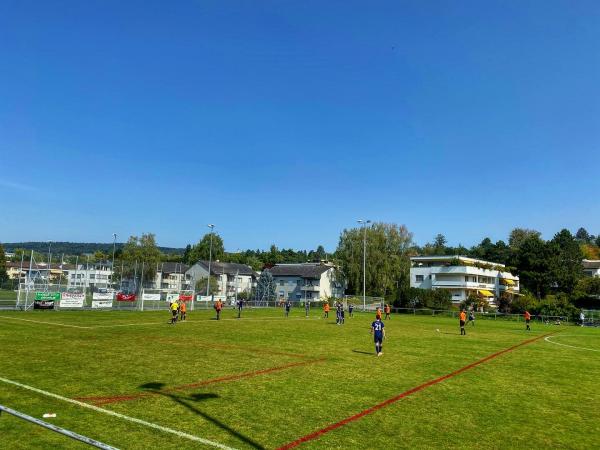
(366, 304)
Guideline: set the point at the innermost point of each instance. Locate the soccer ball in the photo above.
(437, 329)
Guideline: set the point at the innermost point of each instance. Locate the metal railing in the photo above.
(57, 429)
(493, 315)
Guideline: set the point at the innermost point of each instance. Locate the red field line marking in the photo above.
(246, 375)
(372, 409)
(124, 398)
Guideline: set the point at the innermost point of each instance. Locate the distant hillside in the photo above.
(75, 248)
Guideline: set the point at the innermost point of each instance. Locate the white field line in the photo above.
(547, 339)
(120, 416)
(58, 324)
(262, 319)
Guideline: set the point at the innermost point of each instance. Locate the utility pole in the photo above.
(364, 223)
(211, 226)
(112, 267)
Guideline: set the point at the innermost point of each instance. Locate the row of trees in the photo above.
(257, 259)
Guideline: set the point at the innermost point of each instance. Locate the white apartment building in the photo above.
(170, 275)
(232, 278)
(306, 281)
(591, 267)
(93, 275)
(462, 276)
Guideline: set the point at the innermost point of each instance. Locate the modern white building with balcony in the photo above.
(462, 276)
(307, 281)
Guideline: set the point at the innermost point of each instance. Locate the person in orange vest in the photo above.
(462, 319)
(378, 313)
(182, 310)
(326, 311)
(527, 320)
(387, 310)
(218, 308)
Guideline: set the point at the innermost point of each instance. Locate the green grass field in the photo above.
(265, 381)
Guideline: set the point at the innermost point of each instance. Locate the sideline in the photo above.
(547, 339)
(162, 322)
(317, 434)
(154, 426)
(205, 321)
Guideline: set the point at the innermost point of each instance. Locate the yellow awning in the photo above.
(485, 293)
(508, 281)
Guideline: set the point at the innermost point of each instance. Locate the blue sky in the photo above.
(283, 122)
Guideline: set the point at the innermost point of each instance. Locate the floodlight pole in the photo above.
(112, 267)
(364, 223)
(49, 261)
(211, 226)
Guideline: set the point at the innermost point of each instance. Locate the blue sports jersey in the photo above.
(377, 327)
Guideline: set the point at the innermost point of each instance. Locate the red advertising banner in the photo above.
(186, 297)
(123, 297)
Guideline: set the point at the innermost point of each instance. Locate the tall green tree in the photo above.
(3, 273)
(202, 250)
(532, 261)
(565, 261)
(265, 287)
(186, 254)
(387, 257)
(582, 235)
(439, 244)
(498, 252)
(519, 235)
(141, 253)
(201, 285)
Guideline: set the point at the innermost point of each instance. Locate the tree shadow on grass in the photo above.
(157, 389)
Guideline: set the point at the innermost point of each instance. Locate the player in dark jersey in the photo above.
(342, 313)
(338, 313)
(287, 306)
(378, 335)
(351, 309)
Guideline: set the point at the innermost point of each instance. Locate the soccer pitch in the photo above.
(133, 381)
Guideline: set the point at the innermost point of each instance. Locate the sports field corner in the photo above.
(133, 381)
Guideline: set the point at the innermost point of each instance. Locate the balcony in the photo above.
(310, 288)
(464, 270)
(463, 284)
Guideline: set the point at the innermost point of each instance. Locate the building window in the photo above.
(92, 276)
(281, 283)
(419, 278)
